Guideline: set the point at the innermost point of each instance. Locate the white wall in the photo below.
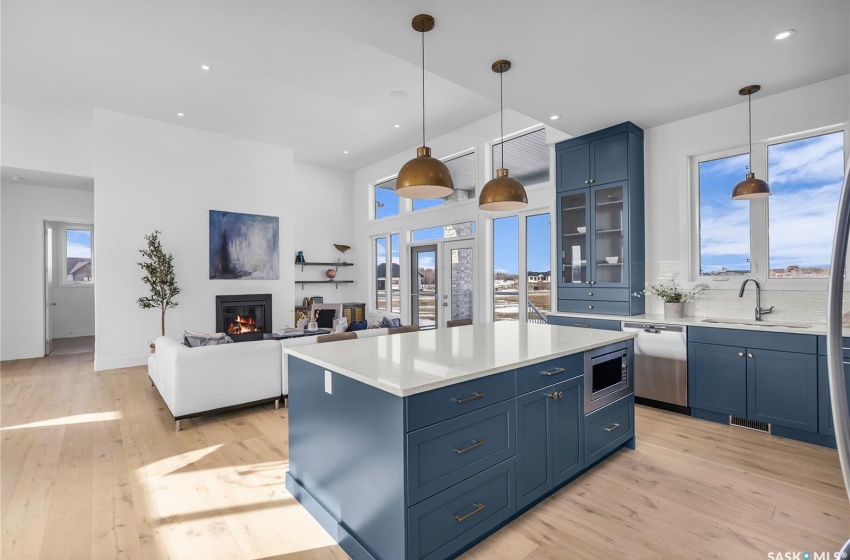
(478, 135)
(46, 142)
(153, 175)
(324, 216)
(73, 314)
(24, 210)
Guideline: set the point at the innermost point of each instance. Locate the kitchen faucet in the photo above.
(759, 310)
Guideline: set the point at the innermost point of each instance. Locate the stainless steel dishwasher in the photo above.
(661, 364)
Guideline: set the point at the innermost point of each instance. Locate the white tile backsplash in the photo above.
(789, 305)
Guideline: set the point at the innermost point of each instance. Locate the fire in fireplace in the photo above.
(244, 317)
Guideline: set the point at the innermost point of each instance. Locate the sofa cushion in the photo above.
(357, 326)
(194, 339)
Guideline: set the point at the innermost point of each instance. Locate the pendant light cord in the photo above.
(423, 88)
(750, 111)
(501, 119)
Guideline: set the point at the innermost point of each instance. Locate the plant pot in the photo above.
(674, 310)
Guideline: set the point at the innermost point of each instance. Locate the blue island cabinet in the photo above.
(427, 476)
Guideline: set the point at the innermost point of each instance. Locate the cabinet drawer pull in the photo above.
(553, 371)
(740, 354)
(590, 293)
(552, 396)
(749, 355)
(478, 507)
(612, 427)
(475, 443)
(473, 397)
(581, 325)
(560, 394)
(587, 181)
(590, 307)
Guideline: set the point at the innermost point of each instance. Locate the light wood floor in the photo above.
(75, 345)
(91, 468)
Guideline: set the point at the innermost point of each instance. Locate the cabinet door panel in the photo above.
(717, 378)
(568, 429)
(573, 234)
(534, 445)
(609, 240)
(782, 389)
(573, 167)
(609, 159)
(825, 424)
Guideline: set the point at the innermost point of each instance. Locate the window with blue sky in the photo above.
(724, 224)
(386, 201)
(78, 255)
(805, 178)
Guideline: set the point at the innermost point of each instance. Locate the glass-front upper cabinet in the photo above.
(574, 237)
(608, 241)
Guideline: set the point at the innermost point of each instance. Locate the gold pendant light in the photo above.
(750, 187)
(502, 192)
(424, 176)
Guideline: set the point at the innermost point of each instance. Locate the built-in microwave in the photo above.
(607, 375)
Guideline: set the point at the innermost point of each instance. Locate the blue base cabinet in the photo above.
(550, 432)
(825, 424)
(584, 322)
(763, 376)
(427, 476)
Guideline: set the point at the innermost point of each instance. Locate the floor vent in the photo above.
(749, 424)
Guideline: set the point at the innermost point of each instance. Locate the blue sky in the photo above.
(506, 244)
(805, 177)
(79, 243)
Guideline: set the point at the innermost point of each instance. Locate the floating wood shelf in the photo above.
(336, 265)
(302, 282)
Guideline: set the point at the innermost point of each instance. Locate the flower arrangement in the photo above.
(671, 292)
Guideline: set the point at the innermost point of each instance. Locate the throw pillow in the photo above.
(357, 326)
(194, 339)
(387, 323)
(340, 325)
(325, 318)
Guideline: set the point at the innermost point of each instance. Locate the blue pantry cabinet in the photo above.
(825, 424)
(600, 221)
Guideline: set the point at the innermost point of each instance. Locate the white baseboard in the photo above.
(74, 334)
(22, 354)
(117, 363)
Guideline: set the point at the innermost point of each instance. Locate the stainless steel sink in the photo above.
(762, 324)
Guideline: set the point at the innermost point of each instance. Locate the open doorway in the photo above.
(68, 287)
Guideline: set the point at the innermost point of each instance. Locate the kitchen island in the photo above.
(418, 445)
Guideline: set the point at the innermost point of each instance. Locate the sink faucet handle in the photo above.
(768, 310)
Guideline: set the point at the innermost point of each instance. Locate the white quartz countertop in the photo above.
(410, 363)
(728, 323)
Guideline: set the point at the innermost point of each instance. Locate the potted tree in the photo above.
(675, 296)
(159, 277)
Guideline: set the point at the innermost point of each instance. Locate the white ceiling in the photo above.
(15, 176)
(317, 75)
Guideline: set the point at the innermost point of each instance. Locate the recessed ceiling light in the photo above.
(15, 178)
(204, 67)
(783, 34)
(345, 151)
(181, 115)
(554, 117)
(398, 94)
(396, 126)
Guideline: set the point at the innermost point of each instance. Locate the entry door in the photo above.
(423, 286)
(458, 280)
(49, 289)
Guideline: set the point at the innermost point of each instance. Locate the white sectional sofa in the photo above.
(195, 381)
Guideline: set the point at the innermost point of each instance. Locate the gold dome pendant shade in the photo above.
(424, 176)
(750, 187)
(502, 192)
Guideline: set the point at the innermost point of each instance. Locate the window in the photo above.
(526, 157)
(77, 255)
(787, 235)
(724, 224)
(805, 177)
(506, 269)
(538, 266)
(462, 169)
(387, 274)
(386, 201)
(465, 229)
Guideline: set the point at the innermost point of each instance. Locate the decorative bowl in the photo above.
(582, 229)
(612, 260)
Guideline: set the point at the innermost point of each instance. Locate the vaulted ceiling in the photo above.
(317, 75)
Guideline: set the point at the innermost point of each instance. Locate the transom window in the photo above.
(526, 157)
(386, 201)
(462, 168)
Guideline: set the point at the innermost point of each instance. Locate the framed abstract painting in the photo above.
(243, 246)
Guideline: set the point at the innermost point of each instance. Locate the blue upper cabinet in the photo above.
(601, 221)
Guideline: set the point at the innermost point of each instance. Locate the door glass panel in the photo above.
(424, 288)
(506, 269)
(538, 267)
(461, 271)
(574, 237)
(608, 213)
(381, 273)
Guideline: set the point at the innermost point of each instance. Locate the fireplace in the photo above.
(244, 317)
